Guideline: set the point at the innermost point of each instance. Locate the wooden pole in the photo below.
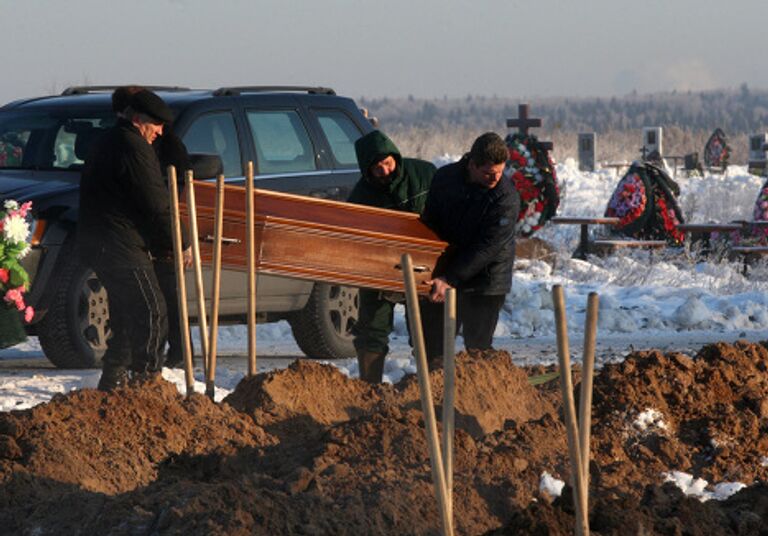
(202, 320)
(181, 284)
(218, 223)
(251, 252)
(449, 387)
(433, 441)
(569, 409)
(587, 375)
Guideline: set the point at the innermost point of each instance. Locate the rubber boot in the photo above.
(112, 377)
(371, 365)
(435, 363)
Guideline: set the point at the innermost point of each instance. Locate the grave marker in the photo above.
(523, 123)
(758, 153)
(587, 151)
(652, 141)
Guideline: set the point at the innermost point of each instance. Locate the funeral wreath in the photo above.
(533, 173)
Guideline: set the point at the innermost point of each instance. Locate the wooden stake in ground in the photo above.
(181, 284)
(251, 252)
(449, 388)
(569, 409)
(218, 224)
(587, 374)
(202, 320)
(425, 389)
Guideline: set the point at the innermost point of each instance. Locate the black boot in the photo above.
(112, 377)
(371, 365)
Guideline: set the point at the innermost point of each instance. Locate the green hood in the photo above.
(373, 147)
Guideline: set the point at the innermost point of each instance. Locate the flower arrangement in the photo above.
(14, 231)
(644, 201)
(629, 199)
(758, 235)
(669, 220)
(532, 171)
(10, 155)
(716, 150)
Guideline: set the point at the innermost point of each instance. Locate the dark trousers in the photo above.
(165, 270)
(375, 319)
(137, 316)
(476, 318)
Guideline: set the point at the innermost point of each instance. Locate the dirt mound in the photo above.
(307, 450)
(113, 443)
(489, 391)
(706, 416)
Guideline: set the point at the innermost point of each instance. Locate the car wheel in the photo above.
(323, 329)
(74, 331)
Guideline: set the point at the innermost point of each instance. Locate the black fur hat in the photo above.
(148, 103)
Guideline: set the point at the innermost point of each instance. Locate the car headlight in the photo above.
(37, 228)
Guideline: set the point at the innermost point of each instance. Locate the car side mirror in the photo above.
(206, 166)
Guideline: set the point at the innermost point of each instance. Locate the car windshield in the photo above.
(48, 140)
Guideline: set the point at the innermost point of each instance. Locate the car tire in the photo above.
(323, 329)
(74, 331)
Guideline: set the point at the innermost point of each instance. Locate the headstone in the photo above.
(652, 137)
(587, 151)
(757, 153)
(692, 165)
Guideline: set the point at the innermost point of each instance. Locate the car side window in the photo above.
(215, 133)
(341, 133)
(282, 142)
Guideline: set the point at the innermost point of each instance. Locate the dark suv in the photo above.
(300, 139)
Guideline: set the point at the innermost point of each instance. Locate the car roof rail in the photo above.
(237, 90)
(84, 90)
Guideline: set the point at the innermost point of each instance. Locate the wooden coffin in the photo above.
(318, 239)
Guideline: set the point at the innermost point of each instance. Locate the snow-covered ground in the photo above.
(675, 302)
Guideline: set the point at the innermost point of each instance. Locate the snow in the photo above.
(646, 301)
(697, 487)
(650, 418)
(550, 486)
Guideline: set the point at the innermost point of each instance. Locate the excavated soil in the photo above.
(307, 450)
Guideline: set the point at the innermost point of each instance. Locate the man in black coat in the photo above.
(171, 151)
(474, 208)
(124, 217)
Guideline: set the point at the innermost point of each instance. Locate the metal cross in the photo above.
(523, 123)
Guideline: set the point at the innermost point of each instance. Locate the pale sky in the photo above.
(395, 48)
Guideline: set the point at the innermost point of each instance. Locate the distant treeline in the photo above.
(687, 118)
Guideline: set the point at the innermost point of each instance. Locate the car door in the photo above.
(216, 132)
(337, 130)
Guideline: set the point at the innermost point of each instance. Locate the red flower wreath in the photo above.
(532, 172)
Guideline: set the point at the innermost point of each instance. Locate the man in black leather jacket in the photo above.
(474, 208)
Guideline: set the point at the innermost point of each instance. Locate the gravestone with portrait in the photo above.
(652, 148)
(587, 151)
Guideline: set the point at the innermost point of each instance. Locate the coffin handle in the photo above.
(224, 239)
(418, 268)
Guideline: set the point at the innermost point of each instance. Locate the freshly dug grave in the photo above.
(307, 450)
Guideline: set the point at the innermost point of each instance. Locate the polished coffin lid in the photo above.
(317, 239)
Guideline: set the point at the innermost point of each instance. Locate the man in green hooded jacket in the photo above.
(396, 183)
